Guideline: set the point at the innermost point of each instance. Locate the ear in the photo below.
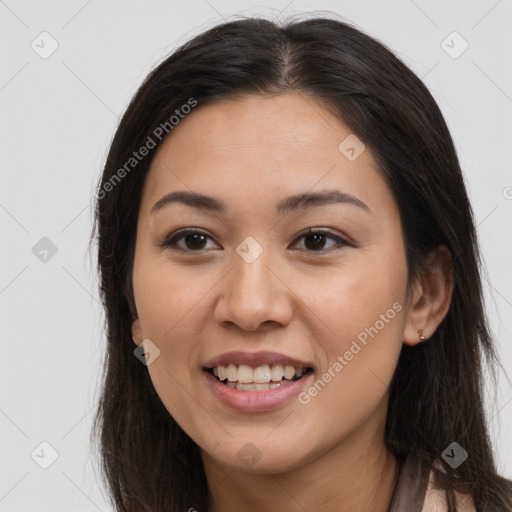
(136, 331)
(431, 296)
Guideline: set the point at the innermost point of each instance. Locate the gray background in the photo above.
(58, 116)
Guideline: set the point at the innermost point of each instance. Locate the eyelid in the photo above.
(342, 240)
(169, 242)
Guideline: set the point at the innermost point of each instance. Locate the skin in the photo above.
(251, 152)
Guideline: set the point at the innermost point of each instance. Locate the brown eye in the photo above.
(315, 241)
(194, 240)
(191, 240)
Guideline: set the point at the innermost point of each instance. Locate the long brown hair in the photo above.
(149, 463)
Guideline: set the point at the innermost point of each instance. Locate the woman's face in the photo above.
(252, 290)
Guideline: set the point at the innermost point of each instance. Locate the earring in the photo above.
(420, 333)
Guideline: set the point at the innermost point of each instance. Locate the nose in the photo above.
(254, 296)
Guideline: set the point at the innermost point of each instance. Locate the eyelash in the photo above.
(170, 242)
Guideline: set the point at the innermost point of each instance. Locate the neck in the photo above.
(357, 475)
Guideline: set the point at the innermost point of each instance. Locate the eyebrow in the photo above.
(291, 203)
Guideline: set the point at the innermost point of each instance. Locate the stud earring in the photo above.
(420, 333)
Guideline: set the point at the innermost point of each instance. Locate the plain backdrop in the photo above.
(59, 112)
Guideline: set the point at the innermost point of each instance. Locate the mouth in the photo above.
(260, 378)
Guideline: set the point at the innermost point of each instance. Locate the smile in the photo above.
(245, 378)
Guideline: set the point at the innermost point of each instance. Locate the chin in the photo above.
(257, 457)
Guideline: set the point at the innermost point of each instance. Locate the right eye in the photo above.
(193, 240)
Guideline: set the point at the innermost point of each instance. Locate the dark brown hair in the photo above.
(436, 398)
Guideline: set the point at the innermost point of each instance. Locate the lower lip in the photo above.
(256, 401)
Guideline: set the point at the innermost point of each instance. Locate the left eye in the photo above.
(195, 240)
(315, 240)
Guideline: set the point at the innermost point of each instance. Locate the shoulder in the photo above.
(436, 501)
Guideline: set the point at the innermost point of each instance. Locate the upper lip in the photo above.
(255, 359)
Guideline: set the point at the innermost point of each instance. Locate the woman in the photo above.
(290, 275)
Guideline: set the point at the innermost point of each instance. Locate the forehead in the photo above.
(254, 147)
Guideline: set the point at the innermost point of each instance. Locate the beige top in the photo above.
(415, 492)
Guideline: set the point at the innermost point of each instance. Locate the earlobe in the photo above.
(137, 331)
(431, 297)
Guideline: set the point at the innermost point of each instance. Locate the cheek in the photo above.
(171, 305)
(171, 311)
(363, 304)
(168, 297)
(367, 293)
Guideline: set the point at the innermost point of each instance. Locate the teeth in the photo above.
(221, 370)
(245, 387)
(261, 374)
(277, 372)
(257, 387)
(245, 373)
(289, 372)
(245, 376)
(231, 372)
